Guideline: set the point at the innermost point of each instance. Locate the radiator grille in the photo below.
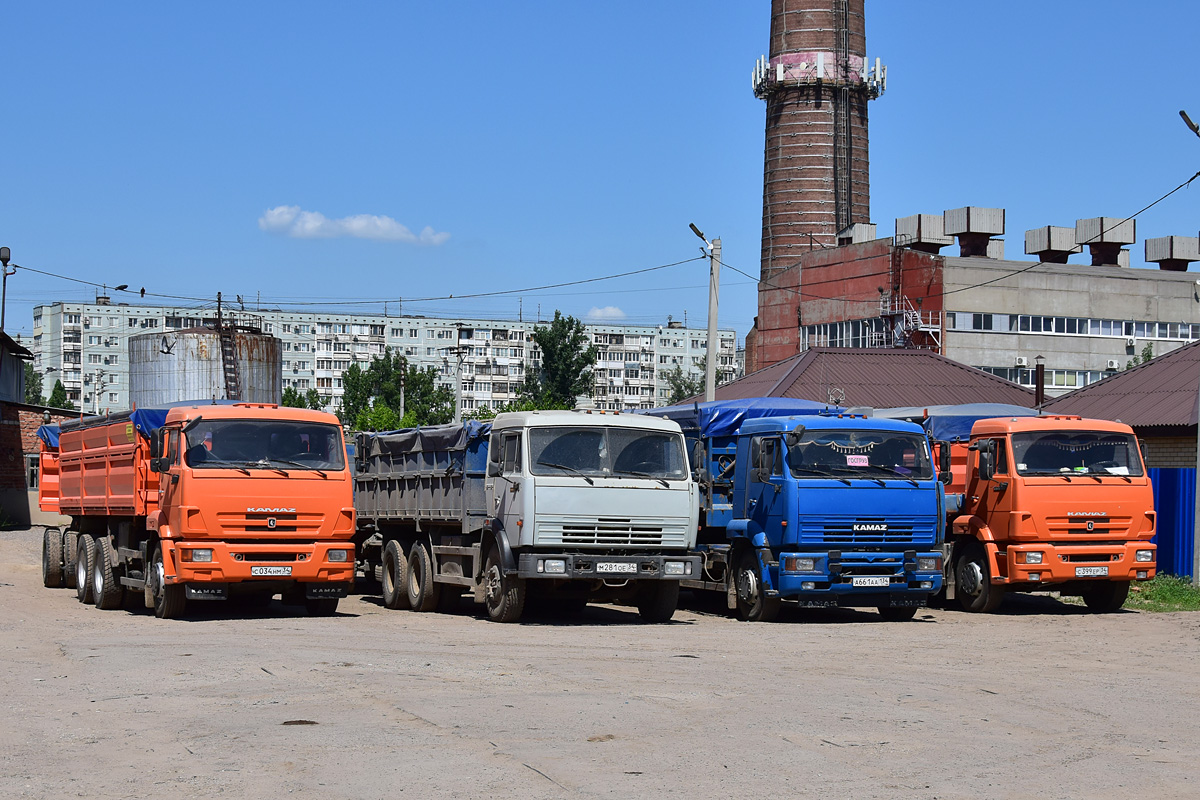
(611, 531)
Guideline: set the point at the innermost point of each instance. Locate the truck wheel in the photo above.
(70, 553)
(1106, 596)
(85, 557)
(107, 591)
(657, 600)
(169, 600)
(503, 596)
(321, 606)
(52, 558)
(752, 604)
(897, 613)
(395, 573)
(974, 576)
(422, 591)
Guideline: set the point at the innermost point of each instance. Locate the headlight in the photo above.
(673, 568)
(930, 564)
(1034, 557)
(555, 566)
(196, 555)
(798, 564)
(338, 555)
(1144, 555)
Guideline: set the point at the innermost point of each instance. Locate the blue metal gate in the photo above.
(1175, 503)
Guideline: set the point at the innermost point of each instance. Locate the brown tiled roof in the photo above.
(883, 377)
(1162, 391)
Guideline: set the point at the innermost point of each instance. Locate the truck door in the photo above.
(996, 496)
(168, 482)
(764, 490)
(508, 503)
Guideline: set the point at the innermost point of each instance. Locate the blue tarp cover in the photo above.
(953, 423)
(145, 420)
(724, 417)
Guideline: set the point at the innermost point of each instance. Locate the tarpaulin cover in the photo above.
(724, 417)
(953, 423)
(430, 438)
(145, 420)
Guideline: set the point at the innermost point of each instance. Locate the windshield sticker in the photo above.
(857, 461)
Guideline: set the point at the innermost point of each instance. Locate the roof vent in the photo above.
(975, 228)
(1173, 253)
(923, 232)
(1051, 244)
(1104, 237)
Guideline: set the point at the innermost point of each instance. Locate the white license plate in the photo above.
(1091, 572)
(616, 566)
(871, 580)
(272, 571)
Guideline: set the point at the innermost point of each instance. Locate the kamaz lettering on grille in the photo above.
(270, 511)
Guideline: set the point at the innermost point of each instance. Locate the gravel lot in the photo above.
(1042, 700)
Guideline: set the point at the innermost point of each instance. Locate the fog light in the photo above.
(930, 564)
(808, 585)
(238, 557)
(555, 566)
(926, 584)
(798, 564)
(197, 555)
(338, 555)
(1035, 576)
(1143, 574)
(674, 567)
(1143, 555)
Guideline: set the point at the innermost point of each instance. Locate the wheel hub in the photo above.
(970, 578)
(747, 585)
(495, 586)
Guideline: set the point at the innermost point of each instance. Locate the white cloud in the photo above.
(299, 224)
(606, 313)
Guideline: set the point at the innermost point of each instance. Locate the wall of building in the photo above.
(1168, 452)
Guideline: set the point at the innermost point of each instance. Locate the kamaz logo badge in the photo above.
(870, 527)
(270, 511)
(1091, 525)
(270, 522)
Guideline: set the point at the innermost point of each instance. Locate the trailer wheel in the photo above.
(107, 591)
(897, 613)
(503, 596)
(395, 573)
(975, 590)
(1106, 596)
(85, 557)
(70, 548)
(657, 600)
(422, 591)
(169, 600)
(752, 604)
(52, 558)
(321, 606)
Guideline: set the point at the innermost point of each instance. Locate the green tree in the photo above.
(310, 399)
(683, 385)
(1146, 354)
(377, 418)
(566, 368)
(58, 398)
(33, 386)
(382, 384)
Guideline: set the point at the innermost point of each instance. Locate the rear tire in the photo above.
(422, 591)
(504, 596)
(395, 575)
(70, 553)
(52, 558)
(85, 557)
(321, 606)
(1106, 596)
(169, 599)
(752, 604)
(658, 600)
(107, 591)
(973, 573)
(897, 613)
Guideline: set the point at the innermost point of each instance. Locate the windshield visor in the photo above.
(864, 454)
(606, 452)
(1076, 453)
(268, 445)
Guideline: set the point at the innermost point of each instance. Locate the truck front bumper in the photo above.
(234, 562)
(861, 579)
(1060, 563)
(573, 566)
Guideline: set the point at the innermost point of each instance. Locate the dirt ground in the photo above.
(1041, 700)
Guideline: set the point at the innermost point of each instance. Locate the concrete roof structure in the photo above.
(880, 377)
(1162, 392)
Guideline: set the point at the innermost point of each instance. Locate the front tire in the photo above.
(897, 613)
(658, 600)
(422, 591)
(395, 573)
(973, 572)
(85, 558)
(504, 596)
(752, 603)
(52, 558)
(107, 591)
(169, 599)
(1106, 596)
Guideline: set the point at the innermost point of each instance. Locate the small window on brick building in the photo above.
(31, 470)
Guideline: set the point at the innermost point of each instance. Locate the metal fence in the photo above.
(1175, 502)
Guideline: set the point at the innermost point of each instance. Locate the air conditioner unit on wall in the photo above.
(1022, 361)
(1130, 341)
(1112, 364)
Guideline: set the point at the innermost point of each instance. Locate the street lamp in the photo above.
(5, 257)
(1193, 127)
(714, 282)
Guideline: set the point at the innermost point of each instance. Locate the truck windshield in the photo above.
(1075, 453)
(887, 455)
(254, 444)
(606, 452)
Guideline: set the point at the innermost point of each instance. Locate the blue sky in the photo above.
(418, 150)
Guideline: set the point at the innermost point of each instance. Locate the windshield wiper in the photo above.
(289, 462)
(894, 471)
(824, 473)
(565, 468)
(638, 474)
(221, 463)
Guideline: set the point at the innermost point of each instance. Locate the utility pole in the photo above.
(5, 257)
(714, 283)
(1196, 509)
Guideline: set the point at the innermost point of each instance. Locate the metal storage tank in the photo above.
(176, 366)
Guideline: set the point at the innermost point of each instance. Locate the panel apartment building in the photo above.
(86, 346)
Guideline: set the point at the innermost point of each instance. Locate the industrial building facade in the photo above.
(86, 346)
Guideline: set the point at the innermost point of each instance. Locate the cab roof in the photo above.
(999, 426)
(827, 422)
(575, 418)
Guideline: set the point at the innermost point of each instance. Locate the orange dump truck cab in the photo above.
(200, 502)
(1048, 503)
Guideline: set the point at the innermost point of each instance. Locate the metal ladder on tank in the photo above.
(233, 384)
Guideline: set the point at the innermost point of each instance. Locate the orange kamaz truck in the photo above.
(1040, 503)
(199, 502)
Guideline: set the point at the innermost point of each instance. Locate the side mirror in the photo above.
(156, 444)
(794, 436)
(698, 455)
(191, 423)
(758, 474)
(493, 469)
(987, 464)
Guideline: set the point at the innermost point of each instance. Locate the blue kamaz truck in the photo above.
(815, 506)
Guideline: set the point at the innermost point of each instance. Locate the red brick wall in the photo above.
(18, 437)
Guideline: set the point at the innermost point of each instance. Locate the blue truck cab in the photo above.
(822, 508)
